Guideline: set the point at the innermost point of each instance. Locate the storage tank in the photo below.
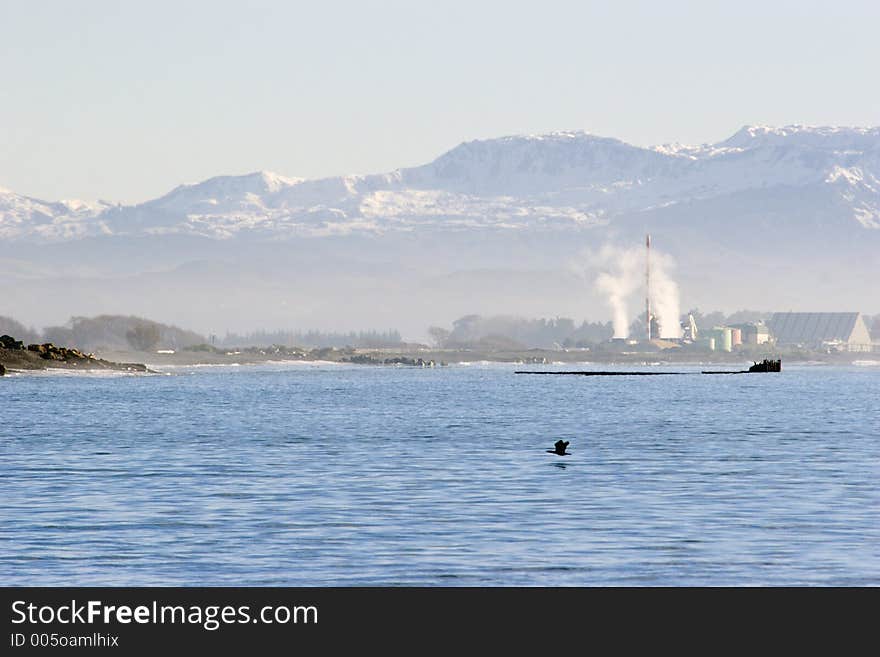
(723, 338)
(736, 337)
(726, 340)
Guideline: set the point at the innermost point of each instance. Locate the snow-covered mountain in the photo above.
(561, 180)
(771, 218)
(22, 216)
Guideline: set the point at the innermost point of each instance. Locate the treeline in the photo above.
(315, 339)
(19, 331)
(716, 318)
(507, 332)
(706, 321)
(500, 332)
(106, 332)
(123, 333)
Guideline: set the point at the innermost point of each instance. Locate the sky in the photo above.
(122, 101)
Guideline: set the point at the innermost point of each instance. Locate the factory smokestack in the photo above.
(648, 285)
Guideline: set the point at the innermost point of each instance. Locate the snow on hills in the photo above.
(562, 180)
(517, 166)
(818, 137)
(25, 216)
(223, 193)
(770, 218)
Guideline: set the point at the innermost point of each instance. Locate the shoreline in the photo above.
(443, 357)
(18, 361)
(48, 357)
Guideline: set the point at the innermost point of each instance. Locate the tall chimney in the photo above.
(648, 284)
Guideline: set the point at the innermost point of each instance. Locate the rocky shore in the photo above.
(424, 357)
(368, 359)
(204, 355)
(14, 355)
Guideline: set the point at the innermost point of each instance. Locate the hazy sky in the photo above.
(124, 100)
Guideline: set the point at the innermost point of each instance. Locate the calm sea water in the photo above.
(346, 475)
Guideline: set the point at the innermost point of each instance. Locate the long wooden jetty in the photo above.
(597, 373)
(765, 366)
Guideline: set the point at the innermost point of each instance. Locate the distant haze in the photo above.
(123, 100)
(771, 218)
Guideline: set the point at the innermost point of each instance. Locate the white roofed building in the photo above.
(841, 331)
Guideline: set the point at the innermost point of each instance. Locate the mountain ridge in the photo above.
(559, 180)
(770, 218)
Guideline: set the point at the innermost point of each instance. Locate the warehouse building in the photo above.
(839, 331)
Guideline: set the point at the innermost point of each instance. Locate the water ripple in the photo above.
(390, 476)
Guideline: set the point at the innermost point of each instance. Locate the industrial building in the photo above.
(839, 331)
(753, 333)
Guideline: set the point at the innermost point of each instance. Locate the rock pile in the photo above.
(366, 359)
(8, 342)
(50, 352)
(16, 356)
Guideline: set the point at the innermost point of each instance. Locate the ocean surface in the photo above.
(322, 474)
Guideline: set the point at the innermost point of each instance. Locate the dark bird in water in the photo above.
(560, 446)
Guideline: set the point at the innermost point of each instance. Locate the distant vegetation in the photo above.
(124, 333)
(500, 332)
(315, 339)
(510, 333)
(203, 347)
(505, 332)
(118, 332)
(144, 336)
(707, 321)
(17, 330)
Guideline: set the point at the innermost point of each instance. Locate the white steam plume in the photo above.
(620, 278)
(664, 296)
